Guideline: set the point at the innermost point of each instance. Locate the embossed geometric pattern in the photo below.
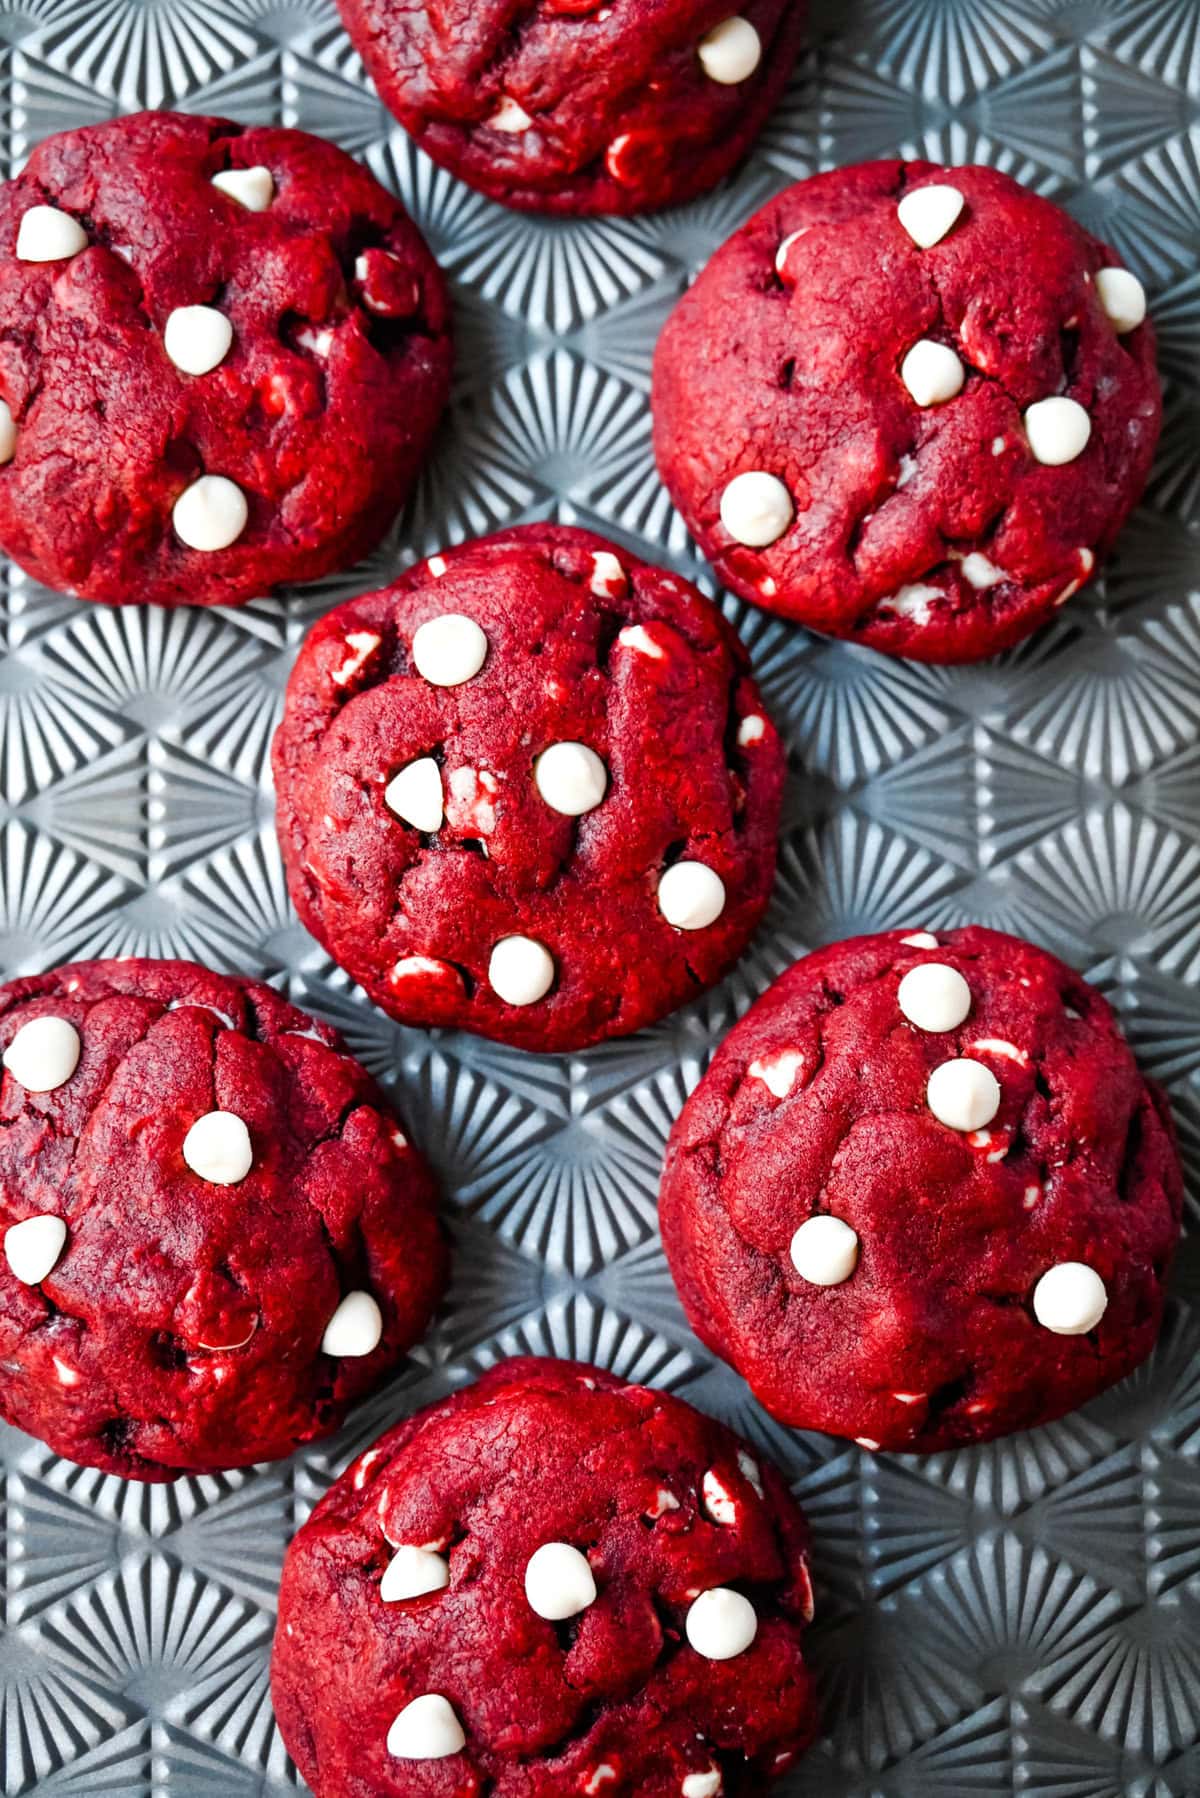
(1022, 1618)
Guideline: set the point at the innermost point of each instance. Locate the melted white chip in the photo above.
(559, 1582)
(963, 1094)
(999, 1045)
(510, 116)
(571, 778)
(752, 729)
(32, 1247)
(932, 373)
(415, 795)
(756, 508)
(359, 645)
(47, 235)
(354, 1329)
(1070, 1299)
(929, 213)
(717, 1499)
(1123, 298)
(43, 1054)
(980, 572)
(449, 650)
(411, 967)
(920, 939)
(637, 637)
(608, 577)
(1058, 431)
(218, 1148)
(197, 338)
(411, 1573)
(721, 1624)
(252, 188)
(520, 970)
(934, 997)
(731, 51)
(691, 896)
(702, 1785)
(426, 1730)
(778, 1074)
(8, 433)
(211, 513)
(781, 254)
(824, 1251)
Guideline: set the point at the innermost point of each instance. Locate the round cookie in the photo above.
(552, 1582)
(581, 106)
(223, 352)
(923, 1196)
(529, 790)
(216, 1236)
(910, 406)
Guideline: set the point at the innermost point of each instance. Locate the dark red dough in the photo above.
(376, 893)
(536, 1452)
(324, 445)
(798, 374)
(158, 1260)
(624, 116)
(939, 1307)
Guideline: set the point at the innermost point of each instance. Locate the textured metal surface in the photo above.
(1020, 1619)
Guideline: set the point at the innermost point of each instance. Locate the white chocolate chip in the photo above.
(756, 508)
(415, 795)
(449, 650)
(934, 997)
(914, 600)
(218, 1148)
(824, 1251)
(920, 939)
(411, 1573)
(778, 1074)
(197, 338)
(664, 1501)
(520, 970)
(702, 1785)
(932, 373)
(470, 808)
(1058, 431)
(752, 729)
(355, 1329)
(999, 1045)
(980, 572)
(67, 1375)
(559, 1582)
(1123, 298)
(1070, 1299)
(436, 566)
(359, 645)
(963, 1094)
(929, 213)
(211, 513)
(47, 235)
(32, 1247)
(731, 51)
(253, 188)
(637, 637)
(8, 433)
(691, 896)
(428, 1729)
(571, 778)
(608, 576)
(603, 1776)
(43, 1054)
(510, 116)
(781, 254)
(717, 1500)
(721, 1624)
(411, 967)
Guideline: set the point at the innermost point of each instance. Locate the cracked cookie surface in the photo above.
(216, 1234)
(910, 406)
(923, 1209)
(528, 1590)
(223, 352)
(529, 790)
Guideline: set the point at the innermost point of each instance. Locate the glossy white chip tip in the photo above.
(558, 1582)
(520, 970)
(411, 1573)
(702, 1785)
(1057, 430)
(218, 1148)
(691, 896)
(1123, 298)
(33, 1246)
(8, 433)
(571, 778)
(929, 213)
(932, 373)
(721, 1624)
(963, 1094)
(449, 650)
(354, 1329)
(211, 513)
(415, 795)
(197, 338)
(428, 1729)
(253, 188)
(608, 576)
(731, 51)
(1070, 1299)
(756, 508)
(824, 1251)
(47, 235)
(43, 1054)
(934, 997)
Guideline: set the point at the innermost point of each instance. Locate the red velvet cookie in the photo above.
(923, 1196)
(550, 1583)
(216, 1237)
(223, 352)
(910, 406)
(580, 106)
(529, 790)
